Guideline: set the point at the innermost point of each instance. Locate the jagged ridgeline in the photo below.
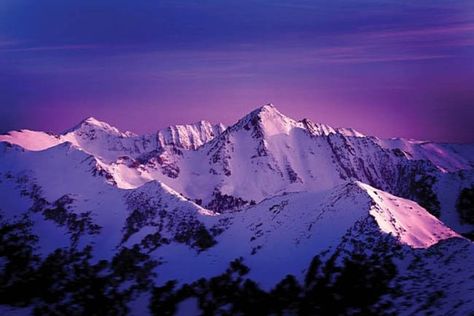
(268, 216)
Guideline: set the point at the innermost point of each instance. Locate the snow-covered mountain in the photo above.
(277, 193)
(108, 143)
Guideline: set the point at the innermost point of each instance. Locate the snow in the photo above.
(447, 157)
(281, 235)
(31, 140)
(109, 144)
(406, 220)
(262, 155)
(312, 184)
(190, 136)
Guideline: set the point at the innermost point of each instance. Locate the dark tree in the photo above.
(465, 205)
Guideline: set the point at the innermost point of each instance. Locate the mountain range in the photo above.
(270, 215)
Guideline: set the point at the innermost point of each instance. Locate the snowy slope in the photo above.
(406, 220)
(33, 182)
(190, 136)
(283, 232)
(281, 235)
(270, 189)
(447, 157)
(108, 143)
(267, 153)
(31, 140)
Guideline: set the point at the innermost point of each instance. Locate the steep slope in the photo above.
(446, 157)
(347, 241)
(406, 220)
(69, 193)
(304, 222)
(58, 187)
(319, 209)
(103, 140)
(266, 153)
(281, 235)
(190, 136)
(109, 144)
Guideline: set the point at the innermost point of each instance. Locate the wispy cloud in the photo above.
(463, 29)
(8, 43)
(10, 48)
(380, 59)
(247, 59)
(413, 44)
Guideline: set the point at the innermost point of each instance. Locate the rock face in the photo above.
(264, 198)
(190, 136)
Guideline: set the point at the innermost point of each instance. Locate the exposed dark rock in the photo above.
(223, 202)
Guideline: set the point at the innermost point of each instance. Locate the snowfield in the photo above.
(273, 191)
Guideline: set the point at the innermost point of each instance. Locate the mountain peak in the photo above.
(267, 119)
(91, 120)
(91, 123)
(266, 109)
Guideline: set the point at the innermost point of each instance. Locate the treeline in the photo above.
(355, 287)
(69, 282)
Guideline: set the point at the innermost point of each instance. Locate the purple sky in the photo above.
(387, 68)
